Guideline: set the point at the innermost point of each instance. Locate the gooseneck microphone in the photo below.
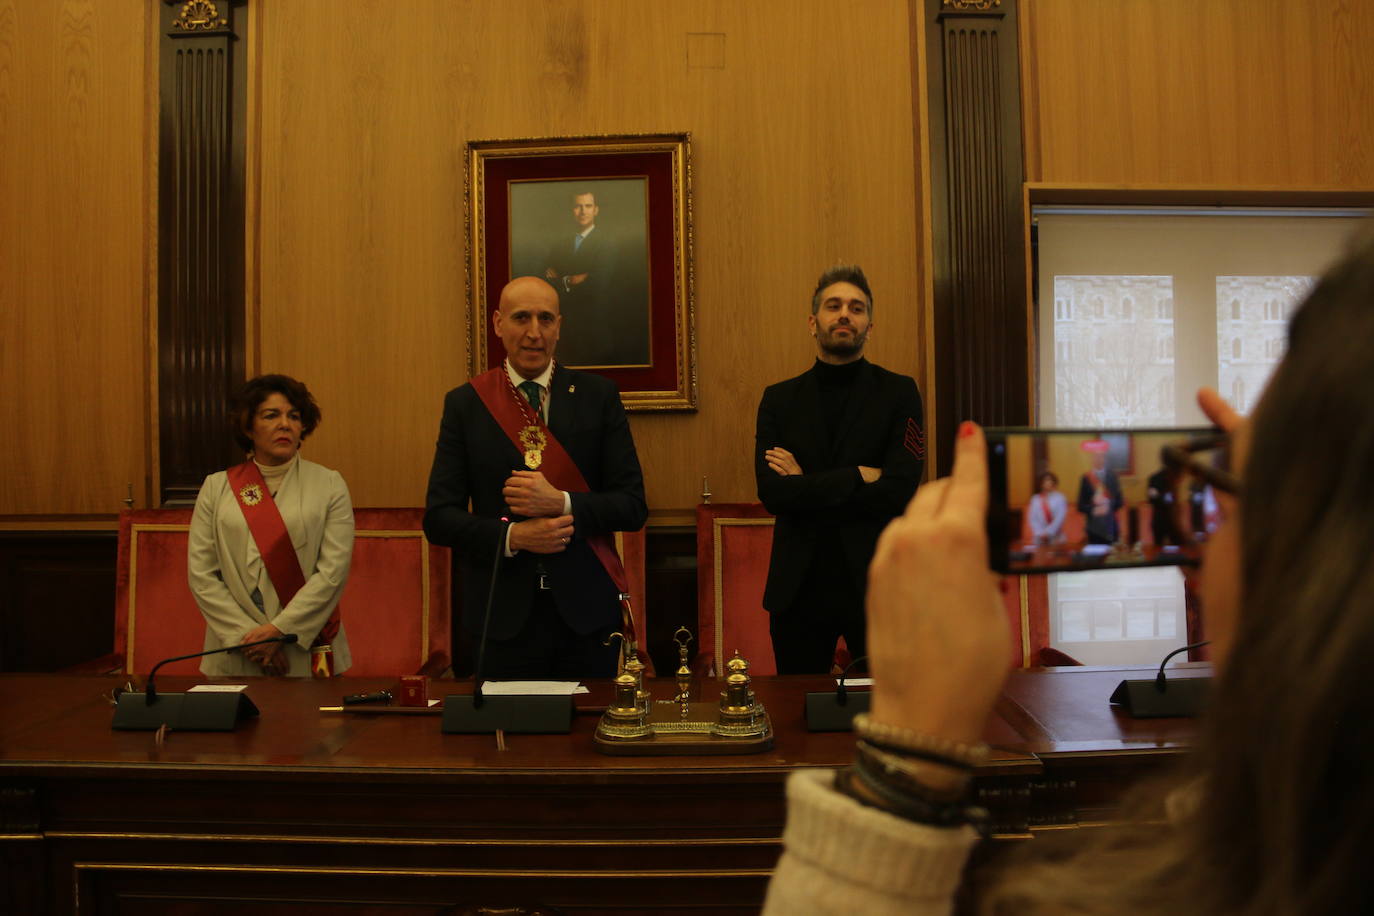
(477, 698)
(150, 694)
(1162, 683)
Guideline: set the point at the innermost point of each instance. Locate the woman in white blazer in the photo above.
(272, 414)
(1047, 511)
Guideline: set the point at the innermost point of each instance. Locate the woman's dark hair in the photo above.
(1039, 481)
(244, 403)
(1290, 745)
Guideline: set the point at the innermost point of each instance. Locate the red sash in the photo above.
(1097, 483)
(512, 413)
(273, 540)
(1045, 508)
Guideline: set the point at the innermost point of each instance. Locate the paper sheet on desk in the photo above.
(217, 688)
(532, 688)
(856, 681)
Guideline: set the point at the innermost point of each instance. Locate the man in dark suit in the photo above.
(583, 268)
(1099, 496)
(838, 453)
(550, 449)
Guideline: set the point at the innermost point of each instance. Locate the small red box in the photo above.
(414, 690)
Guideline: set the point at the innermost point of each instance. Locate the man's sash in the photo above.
(514, 415)
(274, 541)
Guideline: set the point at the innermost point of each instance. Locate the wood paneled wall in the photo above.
(75, 154)
(1221, 93)
(802, 123)
(802, 143)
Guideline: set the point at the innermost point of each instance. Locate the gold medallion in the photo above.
(534, 442)
(250, 495)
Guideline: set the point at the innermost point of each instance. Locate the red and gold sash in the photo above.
(528, 433)
(274, 541)
(1045, 508)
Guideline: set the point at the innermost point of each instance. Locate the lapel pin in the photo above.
(571, 389)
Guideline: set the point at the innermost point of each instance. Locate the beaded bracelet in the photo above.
(896, 740)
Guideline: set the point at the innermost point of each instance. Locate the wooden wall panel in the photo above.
(803, 156)
(1224, 93)
(73, 253)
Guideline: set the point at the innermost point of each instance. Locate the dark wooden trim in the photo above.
(981, 344)
(200, 242)
(1186, 196)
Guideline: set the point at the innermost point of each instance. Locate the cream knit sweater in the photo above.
(842, 857)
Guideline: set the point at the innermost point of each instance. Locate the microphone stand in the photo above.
(209, 711)
(531, 714)
(1159, 697)
(1161, 684)
(150, 692)
(477, 698)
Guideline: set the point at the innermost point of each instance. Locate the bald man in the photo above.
(536, 460)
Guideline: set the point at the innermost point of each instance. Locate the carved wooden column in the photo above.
(200, 243)
(981, 346)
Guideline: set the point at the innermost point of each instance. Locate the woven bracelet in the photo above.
(896, 740)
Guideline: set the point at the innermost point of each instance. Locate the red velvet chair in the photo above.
(395, 606)
(631, 546)
(733, 544)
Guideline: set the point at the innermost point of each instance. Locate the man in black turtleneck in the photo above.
(837, 454)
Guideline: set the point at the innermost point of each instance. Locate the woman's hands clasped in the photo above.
(938, 640)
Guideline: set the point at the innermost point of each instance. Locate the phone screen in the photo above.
(1063, 500)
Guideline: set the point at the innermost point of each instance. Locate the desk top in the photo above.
(60, 724)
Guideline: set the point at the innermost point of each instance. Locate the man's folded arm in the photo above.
(807, 492)
(903, 460)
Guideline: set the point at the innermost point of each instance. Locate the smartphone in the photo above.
(1062, 500)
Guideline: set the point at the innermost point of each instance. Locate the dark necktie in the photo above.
(533, 393)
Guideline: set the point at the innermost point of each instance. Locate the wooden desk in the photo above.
(387, 813)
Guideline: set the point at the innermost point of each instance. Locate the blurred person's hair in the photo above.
(1274, 811)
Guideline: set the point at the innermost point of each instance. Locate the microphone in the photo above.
(1161, 684)
(477, 698)
(1159, 697)
(841, 697)
(150, 694)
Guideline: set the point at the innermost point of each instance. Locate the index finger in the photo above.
(1218, 410)
(968, 485)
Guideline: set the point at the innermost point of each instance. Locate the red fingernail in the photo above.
(965, 429)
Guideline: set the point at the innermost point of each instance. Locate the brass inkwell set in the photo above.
(637, 724)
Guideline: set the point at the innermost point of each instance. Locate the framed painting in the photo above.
(607, 222)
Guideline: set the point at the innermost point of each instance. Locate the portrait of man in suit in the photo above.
(534, 471)
(838, 452)
(589, 240)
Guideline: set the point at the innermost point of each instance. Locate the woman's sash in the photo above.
(528, 433)
(274, 541)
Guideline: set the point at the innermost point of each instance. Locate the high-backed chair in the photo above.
(395, 607)
(631, 546)
(734, 541)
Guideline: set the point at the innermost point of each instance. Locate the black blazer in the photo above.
(464, 505)
(828, 510)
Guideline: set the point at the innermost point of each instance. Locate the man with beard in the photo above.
(838, 453)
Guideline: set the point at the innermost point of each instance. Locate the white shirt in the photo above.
(545, 395)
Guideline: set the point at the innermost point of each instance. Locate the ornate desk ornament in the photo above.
(637, 725)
